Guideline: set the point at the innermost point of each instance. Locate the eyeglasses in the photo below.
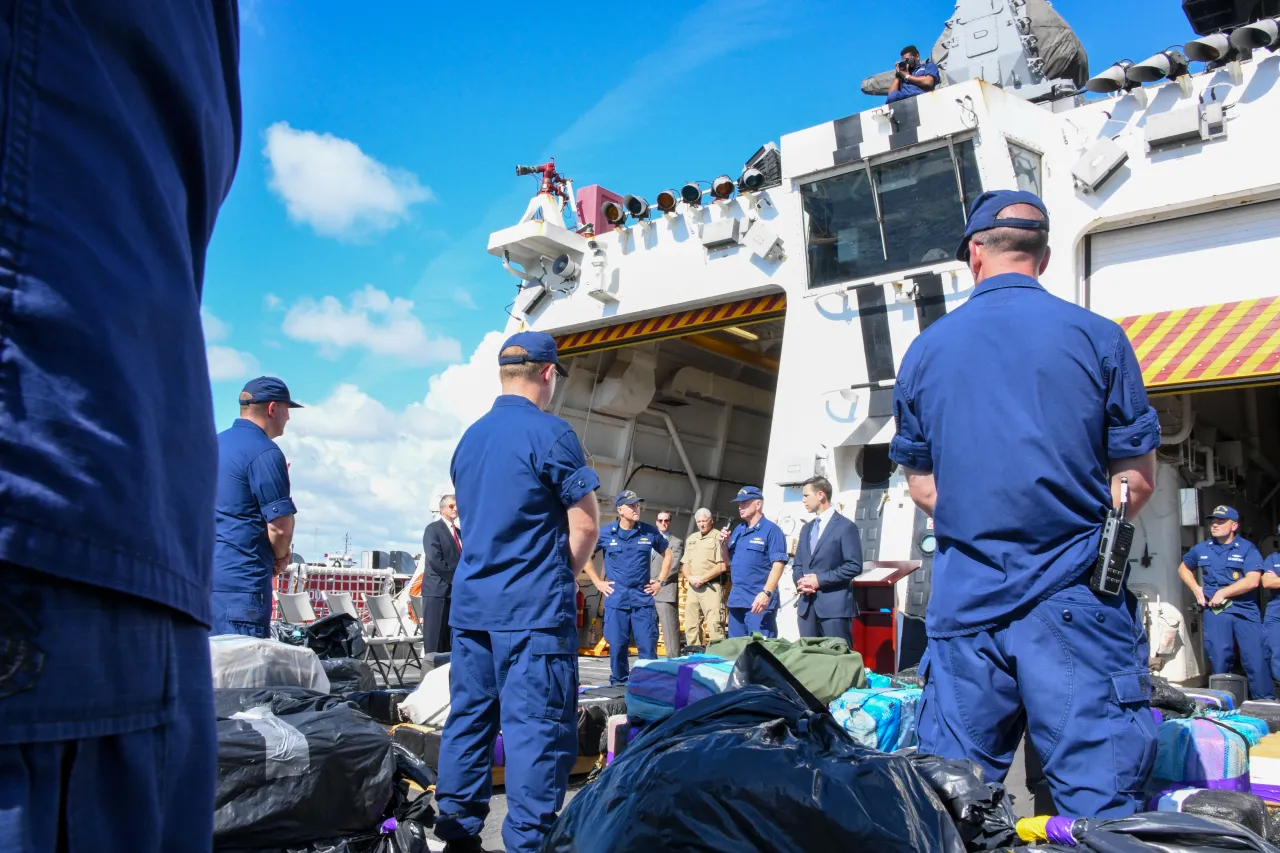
(664, 521)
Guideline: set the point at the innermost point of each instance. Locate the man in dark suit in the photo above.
(828, 558)
(441, 548)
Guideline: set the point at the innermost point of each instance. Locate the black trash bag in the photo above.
(410, 766)
(393, 836)
(982, 811)
(753, 770)
(294, 778)
(282, 700)
(1248, 810)
(382, 705)
(1169, 699)
(401, 836)
(757, 665)
(337, 635)
(1167, 832)
(348, 675)
(287, 632)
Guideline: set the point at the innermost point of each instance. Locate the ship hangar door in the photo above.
(1211, 277)
(689, 392)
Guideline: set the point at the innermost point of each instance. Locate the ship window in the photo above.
(874, 466)
(1026, 167)
(899, 215)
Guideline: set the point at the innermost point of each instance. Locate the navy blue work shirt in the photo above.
(1016, 402)
(515, 473)
(1222, 565)
(626, 562)
(908, 89)
(122, 130)
(253, 489)
(1271, 565)
(752, 553)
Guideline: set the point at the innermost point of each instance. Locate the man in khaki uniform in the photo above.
(703, 565)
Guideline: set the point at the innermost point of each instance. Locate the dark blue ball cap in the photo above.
(1227, 512)
(985, 209)
(625, 497)
(267, 389)
(748, 493)
(540, 347)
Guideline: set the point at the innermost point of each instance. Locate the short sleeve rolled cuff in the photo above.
(578, 485)
(908, 447)
(777, 546)
(1136, 439)
(279, 509)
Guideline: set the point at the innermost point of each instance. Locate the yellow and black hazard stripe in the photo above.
(1212, 345)
(740, 313)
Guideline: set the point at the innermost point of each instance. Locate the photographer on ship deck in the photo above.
(913, 77)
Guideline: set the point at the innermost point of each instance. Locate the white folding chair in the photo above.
(341, 602)
(296, 607)
(387, 624)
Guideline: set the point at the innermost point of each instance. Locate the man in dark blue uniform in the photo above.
(254, 512)
(1017, 415)
(1230, 574)
(629, 608)
(1271, 624)
(756, 553)
(526, 498)
(912, 77)
(121, 134)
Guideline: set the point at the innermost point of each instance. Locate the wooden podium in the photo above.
(875, 628)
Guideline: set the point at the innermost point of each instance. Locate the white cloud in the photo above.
(358, 467)
(333, 186)
(272, 302)
(373, 321)
(463, 297)
(226, 364)
(214, 329)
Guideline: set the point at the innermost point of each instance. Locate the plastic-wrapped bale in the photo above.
(595, 707)
(882, 719)
(251, 662)
(1168, 832)
(1248, 810)
(1212, 700)
(348, 675)
(658, 688)
(289, 776)
(1252, 728)
(1199, 753)
(1229, 682)
(1264, 769)
(422, 741)
(754, 769)
(382, 705)
(1267, 710)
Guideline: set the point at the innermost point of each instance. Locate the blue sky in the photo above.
(379, 152)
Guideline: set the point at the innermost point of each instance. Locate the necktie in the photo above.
(456, 540)
(814, 532)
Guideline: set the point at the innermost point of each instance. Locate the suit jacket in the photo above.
(836, 562)
(440, 559)
(670, 592)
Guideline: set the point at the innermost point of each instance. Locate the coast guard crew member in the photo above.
(629, 607)
(912, 77)
(526, 498)
(1230, 571)
(1017, 415)
(828, 558)
(254, 513)
(755, 554)
(122, 130)
(1271, 624)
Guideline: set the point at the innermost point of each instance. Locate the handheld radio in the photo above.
(1109, 572)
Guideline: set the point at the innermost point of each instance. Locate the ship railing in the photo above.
(316, 580)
